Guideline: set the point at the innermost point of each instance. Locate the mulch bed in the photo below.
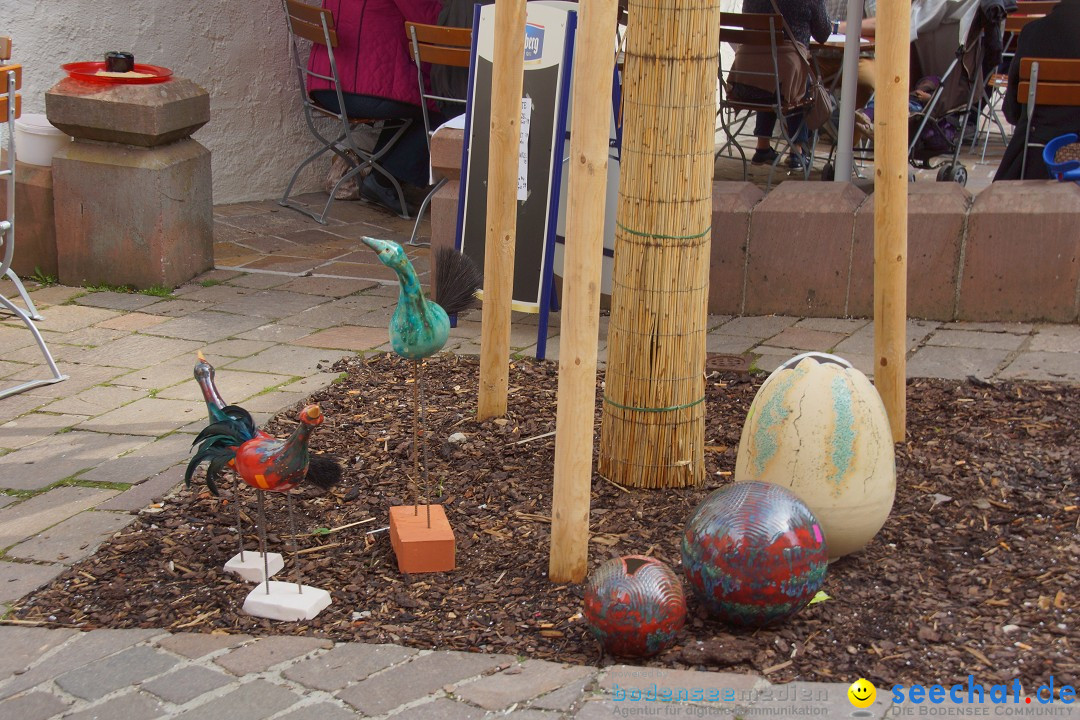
(975, 571)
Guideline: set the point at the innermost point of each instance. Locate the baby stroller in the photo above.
(937, 129)
(936, 133)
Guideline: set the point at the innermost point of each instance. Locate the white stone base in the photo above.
(251, 567)
(285, 602)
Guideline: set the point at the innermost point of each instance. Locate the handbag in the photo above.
(822, 103)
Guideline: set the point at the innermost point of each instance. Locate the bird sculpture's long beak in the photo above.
(376, 244)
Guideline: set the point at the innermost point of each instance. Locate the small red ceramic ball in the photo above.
(635, 606)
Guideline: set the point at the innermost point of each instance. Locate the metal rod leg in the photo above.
(420, 412)
(295, 552)
(30, 309)
(239, 520)
(416, 436)
(262, 539)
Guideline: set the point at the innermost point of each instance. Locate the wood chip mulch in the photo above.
(976, 571)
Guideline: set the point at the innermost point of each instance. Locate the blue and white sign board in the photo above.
(549, 46)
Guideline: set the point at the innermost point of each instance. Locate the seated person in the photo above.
(378, 79)
(1053, 36)
(831, 65)
(805, 18)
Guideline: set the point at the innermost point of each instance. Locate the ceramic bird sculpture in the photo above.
(261, 460)
(420, 327)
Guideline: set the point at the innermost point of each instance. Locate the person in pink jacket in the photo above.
(378, 80)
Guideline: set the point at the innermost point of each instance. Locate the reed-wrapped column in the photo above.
(653, 430)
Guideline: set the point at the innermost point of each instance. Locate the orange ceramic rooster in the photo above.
(262, 461)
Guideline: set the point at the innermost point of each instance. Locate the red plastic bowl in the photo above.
(88, 71)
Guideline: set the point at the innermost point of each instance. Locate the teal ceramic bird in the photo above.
(420, 327)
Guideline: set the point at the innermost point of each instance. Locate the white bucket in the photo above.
(36, 140)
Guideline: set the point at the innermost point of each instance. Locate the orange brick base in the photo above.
(421, 549)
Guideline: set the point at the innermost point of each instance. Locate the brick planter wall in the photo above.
(1010, 253)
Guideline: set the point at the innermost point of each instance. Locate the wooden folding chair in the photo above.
(309, 24)
(10, 109)
(1046, 82)
(435, 45)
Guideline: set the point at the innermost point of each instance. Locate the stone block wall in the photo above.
(1010, 253)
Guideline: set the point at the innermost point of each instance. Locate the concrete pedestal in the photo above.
(286, 601)
(35, 229)
(133, 216)
(252, 568)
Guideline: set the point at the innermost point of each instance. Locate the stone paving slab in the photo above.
(145, 462)
(93, 401)
(235, 386)
(348, 337)
(252, 701)
(178, 307)
(563, 699)
(6, 500)
(81, 649)
(80, 377)
(235, 348)
(761, 327)
(14, 336)
(271, 304)
(72, 540)
(140, 351)
(1056, 338)
(133, 706)
(294, 360)
(345, 664)
(953, 363)
(197, 645)
(1049, 366)
(441, 709)
(206, 326)
(318, 711)
(186, 684)
(950, 337)
(18, 579)
(65, 318)
(804, 338)
(116, 301)
(15, 406)
(24, 646)
(38, 513)
(132, 322)
(175, 371)
(519, 683)
(129, 667)
(728, 344)
(33, 427)
(275, 332)
(420, 677)
(151, 490)
(149, 416)
(33, 706)
(266, 652)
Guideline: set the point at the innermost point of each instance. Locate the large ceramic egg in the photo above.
(753, 554)
(818, 427)
(634, 605)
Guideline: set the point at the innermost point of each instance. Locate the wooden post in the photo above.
(593, 65)
(506, 84)
(890, 209)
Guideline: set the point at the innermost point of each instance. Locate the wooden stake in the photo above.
(890, 210)
(593, 66)
(506, 86)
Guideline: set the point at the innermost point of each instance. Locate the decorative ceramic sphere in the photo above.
(753, 554)
(635, 606)
(818, 427)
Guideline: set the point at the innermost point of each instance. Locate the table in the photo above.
(851, 46)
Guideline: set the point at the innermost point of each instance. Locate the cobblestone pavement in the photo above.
(288, 299)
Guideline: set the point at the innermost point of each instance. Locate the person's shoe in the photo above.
(764, 157)
(374, 191)
(798, 161)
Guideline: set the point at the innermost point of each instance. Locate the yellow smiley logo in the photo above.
(862, 693)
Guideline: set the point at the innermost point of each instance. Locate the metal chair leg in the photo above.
(57, 376)
(30, 309)
(423, 207)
